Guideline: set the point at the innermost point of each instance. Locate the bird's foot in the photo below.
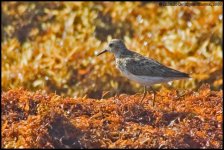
(117, 96)
(154, 98)
(143, 97)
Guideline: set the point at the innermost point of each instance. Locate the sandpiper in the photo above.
(141, 69)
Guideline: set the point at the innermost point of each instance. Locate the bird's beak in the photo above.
(104, 51)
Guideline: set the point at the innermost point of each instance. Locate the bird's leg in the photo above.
(144, 94)
(154, 96)
(117, 94)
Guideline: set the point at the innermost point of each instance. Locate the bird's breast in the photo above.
(120, 65)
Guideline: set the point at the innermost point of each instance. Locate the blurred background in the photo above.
(52, 45)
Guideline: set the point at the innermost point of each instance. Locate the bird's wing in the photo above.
(143, 66)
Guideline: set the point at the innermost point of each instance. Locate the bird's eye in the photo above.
(110, 45)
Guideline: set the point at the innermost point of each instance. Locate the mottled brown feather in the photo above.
(143, 66)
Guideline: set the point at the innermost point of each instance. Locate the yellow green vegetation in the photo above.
(52, 45)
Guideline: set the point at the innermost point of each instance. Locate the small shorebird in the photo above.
(143, 70)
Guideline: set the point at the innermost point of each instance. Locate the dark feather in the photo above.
(143, 66)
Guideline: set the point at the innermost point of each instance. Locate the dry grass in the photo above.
(39, 120)
(52, 45)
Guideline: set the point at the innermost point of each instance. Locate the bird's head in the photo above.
(115, 46)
